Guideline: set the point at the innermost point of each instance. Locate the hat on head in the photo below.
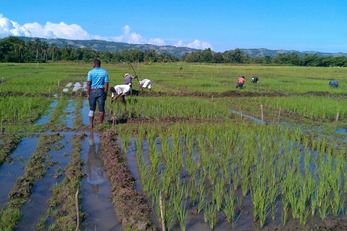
(126, 74)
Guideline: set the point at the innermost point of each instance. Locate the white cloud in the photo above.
(74, 31)
(196, 44)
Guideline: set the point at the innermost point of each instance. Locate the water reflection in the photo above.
(95, 170)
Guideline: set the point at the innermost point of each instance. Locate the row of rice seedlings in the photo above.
(313, 107)
(267, 161)
(56, 119)
(78, 119)
(16, 112)
(158, 107)
(35, 169)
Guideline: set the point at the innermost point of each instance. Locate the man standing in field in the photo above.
(97, 87)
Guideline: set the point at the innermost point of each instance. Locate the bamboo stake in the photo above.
(279, 115)
(337, 119)
(77, 211)
(161, 212)
(262, 112)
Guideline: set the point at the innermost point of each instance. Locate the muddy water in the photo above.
(248, 116)
(9, 172)
(84, 112)
(44, 119)
(95, 189)
(132, 162)
(70, 116)
(38, 204)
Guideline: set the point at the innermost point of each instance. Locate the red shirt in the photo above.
(241, 80)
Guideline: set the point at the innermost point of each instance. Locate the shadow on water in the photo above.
(38, 203)
(44, 119)
(96, 202)
(9, 172)
(70, 116)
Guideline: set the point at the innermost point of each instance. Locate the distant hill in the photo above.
(262, 52)
(101, 45)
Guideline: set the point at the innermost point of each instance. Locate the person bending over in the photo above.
(119, 91)
(334, 84)
(128, 80)
(240, 82)
(145, 83)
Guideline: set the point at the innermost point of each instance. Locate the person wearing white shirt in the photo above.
(119, 91)
(145, 83)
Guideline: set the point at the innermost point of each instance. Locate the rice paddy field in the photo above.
(192, 153)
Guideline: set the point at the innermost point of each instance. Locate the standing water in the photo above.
(95, 189)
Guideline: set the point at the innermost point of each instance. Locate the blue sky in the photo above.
(303, 25)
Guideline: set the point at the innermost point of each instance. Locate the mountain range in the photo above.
(101, 45)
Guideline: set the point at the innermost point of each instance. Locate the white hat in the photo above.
(126, 74)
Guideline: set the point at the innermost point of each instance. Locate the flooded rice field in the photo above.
(64, 176)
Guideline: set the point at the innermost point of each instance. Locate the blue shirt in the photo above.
(98, 77)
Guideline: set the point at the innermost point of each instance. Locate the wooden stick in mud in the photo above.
(279, 115)
(262, 112)
(337, 119)
(161, 212)
(77, 211)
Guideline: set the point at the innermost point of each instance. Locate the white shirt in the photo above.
(121, 89)
(146, 83)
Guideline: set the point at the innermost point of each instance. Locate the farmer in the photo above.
(255, 79)
(334, 84)
(128, 80)
(94, 166)
(97, 87)
(120, 91)
(145, 83)
(240, 82)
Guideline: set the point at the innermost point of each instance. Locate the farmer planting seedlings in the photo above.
(97, 87)
(128, 80)
(240, 82)
(120, 91)
(334, 84)
(145, 83)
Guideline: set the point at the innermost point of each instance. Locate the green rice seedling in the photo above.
(229, 205)
(218, 193)
(334, 180)
(166, 179)
(169, 215)
(259, 198)
(202, 193)
(210, 215)
(180, 206)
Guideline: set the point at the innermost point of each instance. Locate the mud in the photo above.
(132, 208)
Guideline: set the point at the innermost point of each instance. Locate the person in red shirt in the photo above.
(240, 82)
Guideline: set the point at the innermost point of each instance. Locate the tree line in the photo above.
(14, 49)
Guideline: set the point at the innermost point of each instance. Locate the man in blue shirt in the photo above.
(97, 87)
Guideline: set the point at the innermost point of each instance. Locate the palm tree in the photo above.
(37, 44)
